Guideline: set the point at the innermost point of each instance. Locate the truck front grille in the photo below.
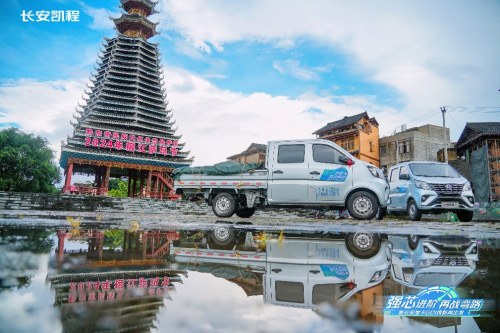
(447, 188)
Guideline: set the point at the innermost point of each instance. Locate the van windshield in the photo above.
(433, 170)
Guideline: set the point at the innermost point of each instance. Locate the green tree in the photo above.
(26, 163)
(118, 188)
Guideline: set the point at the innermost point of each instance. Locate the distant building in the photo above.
(413, 144)
(357, 134)
(479, 146)
(452, 153)
(124, 128)
(255, 153)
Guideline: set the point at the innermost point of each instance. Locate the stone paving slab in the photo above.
(176, 218)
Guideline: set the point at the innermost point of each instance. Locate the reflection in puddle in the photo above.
(156, 280)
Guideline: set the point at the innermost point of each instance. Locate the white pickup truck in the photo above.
(297, 173)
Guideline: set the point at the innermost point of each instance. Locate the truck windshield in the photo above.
(433, 170)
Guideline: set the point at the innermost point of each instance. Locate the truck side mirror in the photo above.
(404, 176)
(345, 160)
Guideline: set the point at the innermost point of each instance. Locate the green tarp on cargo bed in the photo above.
(223, 168)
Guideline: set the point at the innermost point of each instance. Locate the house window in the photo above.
(371, 147)
(404, 147)
(347, 144)
(383, 151)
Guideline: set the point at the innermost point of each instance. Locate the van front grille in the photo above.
(447, 188)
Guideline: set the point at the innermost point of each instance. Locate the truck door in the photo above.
(329, 180)
(288, 174)
(287, 272)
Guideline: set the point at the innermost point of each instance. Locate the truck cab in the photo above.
(318, 172)
(426, 261)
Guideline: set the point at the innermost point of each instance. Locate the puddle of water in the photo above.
(239, 278)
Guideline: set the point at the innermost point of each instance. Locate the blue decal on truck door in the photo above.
(338, 270)
(334, 175)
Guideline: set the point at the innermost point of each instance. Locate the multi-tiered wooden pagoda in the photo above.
(124, 128)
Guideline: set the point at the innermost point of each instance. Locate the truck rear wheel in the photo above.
(223, 205)
(245, 212)
(363, 245)
(362, 205)
(222, 236)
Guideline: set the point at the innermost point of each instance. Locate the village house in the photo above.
(479, 146)
(255, 153)
(414, 144)
(357, 134)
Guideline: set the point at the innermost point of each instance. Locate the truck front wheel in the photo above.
(363, 245)
(362, 205)
(223, 205)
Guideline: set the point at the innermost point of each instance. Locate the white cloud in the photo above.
(101, 17)
(293, 68)
(41, 107)
(218, 123)
(214, 123)
(433, 54)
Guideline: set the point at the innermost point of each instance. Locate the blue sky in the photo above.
(266, 69)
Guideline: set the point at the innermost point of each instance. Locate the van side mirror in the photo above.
(404, 176)
(345, 160)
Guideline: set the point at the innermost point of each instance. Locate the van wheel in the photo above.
(413, 241)
(245, 212)
(363, 245)
(413, 212)
(465, 215)
(362, 205)
(223, 205)
(222, 236)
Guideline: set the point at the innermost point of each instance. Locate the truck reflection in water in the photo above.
(425, 261)
(293, 269)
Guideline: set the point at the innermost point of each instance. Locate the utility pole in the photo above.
(443, 111)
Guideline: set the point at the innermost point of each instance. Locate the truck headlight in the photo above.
(467, 187)
(422, 185)
(375, 172)
(377, 276)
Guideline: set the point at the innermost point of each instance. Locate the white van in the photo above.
(429, 187)
(427, 261)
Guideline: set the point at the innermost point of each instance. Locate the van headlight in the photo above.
(422, 185)
(375, 172)
(467, 187)
(425, 263)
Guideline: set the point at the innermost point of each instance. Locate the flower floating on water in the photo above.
(75, 223)
(134, 226)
